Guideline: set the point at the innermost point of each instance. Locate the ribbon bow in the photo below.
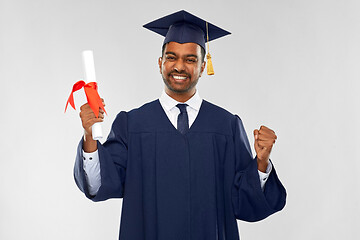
(92, 96)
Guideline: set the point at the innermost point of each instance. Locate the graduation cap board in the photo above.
(183, 27)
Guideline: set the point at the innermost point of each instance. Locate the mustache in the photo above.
(181, 72)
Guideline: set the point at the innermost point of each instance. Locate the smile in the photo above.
(179, 77)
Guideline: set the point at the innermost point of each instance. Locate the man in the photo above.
(182, 165)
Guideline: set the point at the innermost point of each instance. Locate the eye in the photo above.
(191, 60)
(170, 58)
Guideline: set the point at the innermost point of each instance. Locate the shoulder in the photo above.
(140, 112)
(219, 118)
(145, 109)
(219, 111)
(142, 118)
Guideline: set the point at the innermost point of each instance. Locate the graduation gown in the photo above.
(177, 186)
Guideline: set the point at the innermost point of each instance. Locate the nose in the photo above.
(179, 65)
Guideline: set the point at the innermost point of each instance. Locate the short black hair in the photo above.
(202, 52)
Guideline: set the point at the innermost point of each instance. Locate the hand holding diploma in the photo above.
(88, 119)
(91, 112)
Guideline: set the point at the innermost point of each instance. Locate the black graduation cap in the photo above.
(183, 27)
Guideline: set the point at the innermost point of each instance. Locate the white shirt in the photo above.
(172, 112)
(91, 160)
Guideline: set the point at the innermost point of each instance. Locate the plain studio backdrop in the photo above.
(289, 65)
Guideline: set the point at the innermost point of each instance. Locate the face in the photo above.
(180, 67)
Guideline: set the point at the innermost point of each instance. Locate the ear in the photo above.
(202, 67)
(160, 64)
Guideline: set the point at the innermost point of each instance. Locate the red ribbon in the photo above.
(92, 96)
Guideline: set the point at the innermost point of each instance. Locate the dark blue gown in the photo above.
(181, 187)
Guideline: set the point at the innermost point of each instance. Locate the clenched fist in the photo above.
(88, 118)
(264, 141)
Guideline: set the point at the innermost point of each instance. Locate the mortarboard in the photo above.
(183, 27)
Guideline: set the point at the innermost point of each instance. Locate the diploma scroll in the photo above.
(89, 69)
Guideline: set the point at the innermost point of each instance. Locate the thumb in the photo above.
(256, 134)
(256, 142)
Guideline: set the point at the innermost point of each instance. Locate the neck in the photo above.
(180, 97)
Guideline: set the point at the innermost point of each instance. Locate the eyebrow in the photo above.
(192, 55)
(189, 55)
(170, 53)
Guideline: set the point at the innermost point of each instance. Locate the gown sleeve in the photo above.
(113, 160)
(250, 203)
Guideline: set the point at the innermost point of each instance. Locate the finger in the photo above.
(95, 120)
(256, 134)
(263, 153)
(263, 144)
(101, 115)
(262, 127)
(87, 114)
(266, 144)
(257, 147)
(256, 142)
(265, 150)
(265, 140)
(267, 132)
(262, 137)
(84, 106)
(91, 122)
(92, 115)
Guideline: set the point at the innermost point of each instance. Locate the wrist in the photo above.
(87, 136)
(89, 144)
(262, 164)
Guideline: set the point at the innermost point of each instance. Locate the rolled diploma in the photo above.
(89, 69)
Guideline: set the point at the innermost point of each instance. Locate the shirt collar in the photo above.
(169, 103)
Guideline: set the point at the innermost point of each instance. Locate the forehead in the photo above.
(183, 48)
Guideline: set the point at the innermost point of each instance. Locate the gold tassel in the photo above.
(210, 69)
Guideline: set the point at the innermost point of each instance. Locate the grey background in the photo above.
(290, 65)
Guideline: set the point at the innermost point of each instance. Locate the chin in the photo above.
(178, 90)
(175, 87)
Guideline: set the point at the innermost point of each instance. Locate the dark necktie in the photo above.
(183, 119)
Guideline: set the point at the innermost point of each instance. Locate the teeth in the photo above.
(179, 77)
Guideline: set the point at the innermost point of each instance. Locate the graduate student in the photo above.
(182, 165)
